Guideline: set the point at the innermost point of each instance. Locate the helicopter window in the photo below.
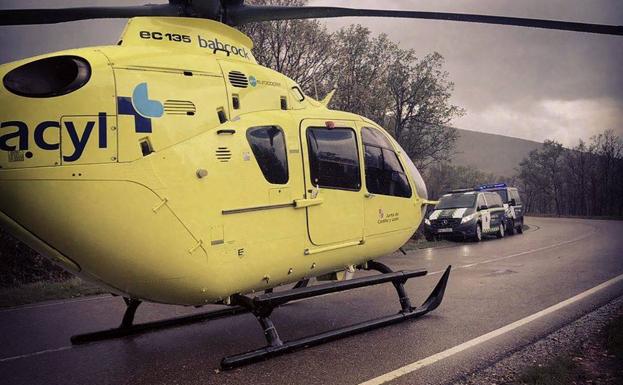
(333, 158)
(384, 173)
(269, 148)
(52, 76)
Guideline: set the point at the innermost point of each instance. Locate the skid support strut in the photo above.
(263, 305)
(128, 327)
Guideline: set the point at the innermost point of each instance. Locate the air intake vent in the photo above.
(179, 107)
(238, 79)
(223, 154)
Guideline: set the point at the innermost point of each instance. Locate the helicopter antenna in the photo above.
(236, 12)
(315, 87)
(327, 99)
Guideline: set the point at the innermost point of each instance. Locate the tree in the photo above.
(608, 149)
(360, 74)
(542, 176)
(373, 77)
(584, 180)
(421, 111)
(300, 49)
(579, 162)
(444, 176)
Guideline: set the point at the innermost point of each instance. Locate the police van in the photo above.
(466, 214)
(512, 204)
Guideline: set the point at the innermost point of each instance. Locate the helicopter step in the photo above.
(263, 305)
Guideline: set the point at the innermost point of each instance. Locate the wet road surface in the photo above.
(493, 284)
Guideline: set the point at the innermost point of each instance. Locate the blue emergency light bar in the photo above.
(491, 186)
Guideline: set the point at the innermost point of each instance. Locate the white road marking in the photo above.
(410, 368)
(7, 359)
(514, 255)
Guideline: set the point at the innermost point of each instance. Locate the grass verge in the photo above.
(559, 371)
(45, 291)
(614, 340)
(600, 361)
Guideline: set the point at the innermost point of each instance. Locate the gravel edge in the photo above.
(567, 339)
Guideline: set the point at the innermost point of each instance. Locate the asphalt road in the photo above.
(493, 284)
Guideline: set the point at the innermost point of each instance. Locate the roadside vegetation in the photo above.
(27, 277)
(599, 361)
(585, 180)
(47, 290)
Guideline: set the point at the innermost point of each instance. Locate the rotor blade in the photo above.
(59, 15)
(246, 14)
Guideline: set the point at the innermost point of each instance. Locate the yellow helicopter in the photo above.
(173, 168)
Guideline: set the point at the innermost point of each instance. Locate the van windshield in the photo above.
(502, 194)
(455, 201)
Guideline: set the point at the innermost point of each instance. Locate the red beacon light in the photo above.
(329, 124)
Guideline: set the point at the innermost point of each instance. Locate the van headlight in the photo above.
(427, 221)
(468, 218)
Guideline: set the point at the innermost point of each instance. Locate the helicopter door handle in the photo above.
(301, 203)
(369, 195)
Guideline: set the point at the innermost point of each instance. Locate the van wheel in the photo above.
(478, 236)
(429, 237)
(501, 230)
(512, 230)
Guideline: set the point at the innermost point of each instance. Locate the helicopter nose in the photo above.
(420, 185)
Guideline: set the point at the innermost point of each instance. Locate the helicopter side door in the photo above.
(332, 163)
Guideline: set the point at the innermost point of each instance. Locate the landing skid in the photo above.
(263, 305)
(129, 328)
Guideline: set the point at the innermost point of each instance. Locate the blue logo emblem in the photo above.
(144, 106)
(252, 81)
(141, 107)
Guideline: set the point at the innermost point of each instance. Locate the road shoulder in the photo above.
(575, 350)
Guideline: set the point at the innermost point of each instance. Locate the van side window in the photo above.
(269, 148)
(334, 158)
(384, 173)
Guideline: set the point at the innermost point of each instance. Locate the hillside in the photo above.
(491, 153)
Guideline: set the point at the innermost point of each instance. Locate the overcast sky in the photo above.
(527, 83)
